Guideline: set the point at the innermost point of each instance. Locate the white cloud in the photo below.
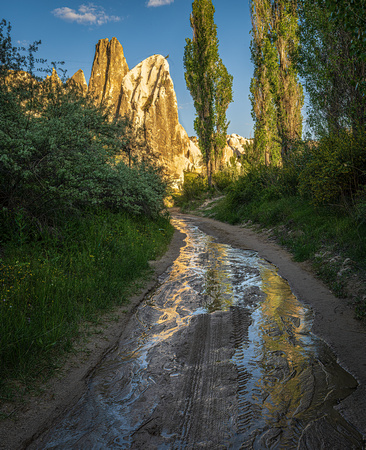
(159, 2)
(23, 43)
(86, 15)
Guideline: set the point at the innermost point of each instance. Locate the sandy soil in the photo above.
(333, 321)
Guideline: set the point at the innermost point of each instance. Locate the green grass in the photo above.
(73, 274)
(312, 227)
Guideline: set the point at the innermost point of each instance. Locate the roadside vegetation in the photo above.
(79, 217)
(330, 235)
(306, 188)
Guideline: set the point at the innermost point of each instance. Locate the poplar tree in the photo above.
(332, 64)
(276, 94)
(208, 82)
(223, 96)
(266, 140)
(287, 88)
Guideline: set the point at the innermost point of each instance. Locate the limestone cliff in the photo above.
(54, 79)
(146, 94)
(234, 148)
(108, 71)
(148, 97)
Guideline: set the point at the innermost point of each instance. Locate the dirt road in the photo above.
(219, 355)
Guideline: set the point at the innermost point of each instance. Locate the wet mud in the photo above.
(220, 355)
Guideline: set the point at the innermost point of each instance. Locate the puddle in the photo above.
(219, 356)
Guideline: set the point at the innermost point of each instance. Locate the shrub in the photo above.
(195, 186)
(228, 174)
(335, 168)
(263, 183)
(222, 179)
(58, 152)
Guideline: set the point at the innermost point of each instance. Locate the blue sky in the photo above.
(69, 31)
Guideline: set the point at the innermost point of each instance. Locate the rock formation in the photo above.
(235, 146)
(108, 71)
(146, 95)
(78, 80)
(54, 79)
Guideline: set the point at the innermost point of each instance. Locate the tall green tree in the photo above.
(266, 140)
(223, 96)
(332, 63)
(276, 94)
(351, 16)
(208, 82)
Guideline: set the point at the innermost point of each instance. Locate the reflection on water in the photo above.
(286, 380)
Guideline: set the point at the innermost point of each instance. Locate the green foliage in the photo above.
(351, 15)
(138, 189)
(262, 183)
(194, 189)
(333, 71)
(223, 96)
(48, 287)
(58, 152)
(77, 225)
(360, 206)
(276, 94)
(335, 168)
(222, 179)
(226, 176)
(208, 81)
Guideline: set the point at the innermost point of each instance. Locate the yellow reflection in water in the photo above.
(217, 288)
(283, 356)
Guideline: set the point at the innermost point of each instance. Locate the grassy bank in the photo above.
(75, 273)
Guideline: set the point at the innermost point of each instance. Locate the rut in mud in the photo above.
(219, 356)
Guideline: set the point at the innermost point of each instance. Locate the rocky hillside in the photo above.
(146, 94)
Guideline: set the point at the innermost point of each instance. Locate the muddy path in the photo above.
(221, 355)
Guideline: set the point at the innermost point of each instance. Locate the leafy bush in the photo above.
(263, 183)
(359, 210)
(77, 225)
(138, 189)
(335, 168)
(58, 151)
(222, 179)
(195, 187)
(228, 174)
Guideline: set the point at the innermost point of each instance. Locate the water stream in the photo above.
(221, 355)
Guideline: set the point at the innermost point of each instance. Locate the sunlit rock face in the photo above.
(108, 71)
(235, 147)
(231, 153)
(237, 142)
(148, 97)
(78, 80)
(145, 94)
(53, 78)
